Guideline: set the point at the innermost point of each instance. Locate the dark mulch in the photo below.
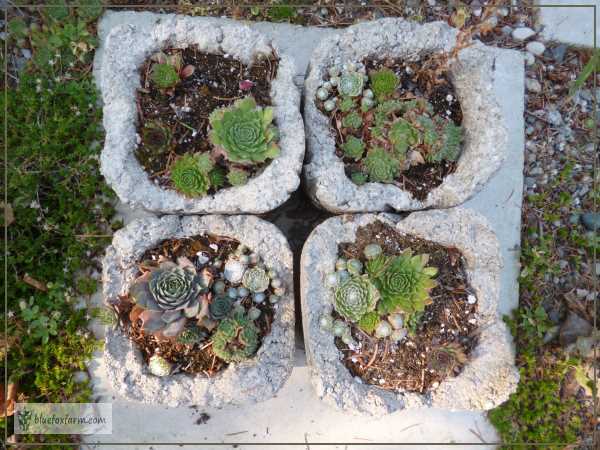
(185, 110)
(444, 337)
(197, 358)
(426, 78)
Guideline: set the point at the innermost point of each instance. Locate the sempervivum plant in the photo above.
(190, 174)
(381, 166)
(168, 294)
(404, 283)
(244, 132)
(156, 136)
(256, 279)
(355, 297)
(236, 339)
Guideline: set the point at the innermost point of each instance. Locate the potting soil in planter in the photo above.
(198, 304)
(395, 121)
(403, 311)
(205, 120)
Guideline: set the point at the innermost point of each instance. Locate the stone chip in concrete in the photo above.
(126, 48)
(487, 379)
(255, 380)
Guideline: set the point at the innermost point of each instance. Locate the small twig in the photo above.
(236, 433)
(227, 98)
(39, 285)
(372, 360)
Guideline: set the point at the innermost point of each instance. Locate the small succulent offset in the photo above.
(168, 294)
(383, 83)
(220, 307)
(168, 70)
(353, 148)
(405, 283)
(237, 177)
(190, 174)
(352, 120)
(369, 322)
(164, 75)
(256, 279)
(355, 297)
(192, 335)
(351, 83)
(236, 339)
(244, 132)
(381, 166)
(159, 366)
(156, 136)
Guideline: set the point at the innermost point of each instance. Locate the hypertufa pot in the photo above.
(490, 375)
(474, 75)
(256, 379)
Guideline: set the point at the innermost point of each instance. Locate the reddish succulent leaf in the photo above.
(187, 71)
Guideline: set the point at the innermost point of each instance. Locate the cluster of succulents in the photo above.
(242, 133)
(384, 133)
(382, 294)
(191, 301)
(168, 70)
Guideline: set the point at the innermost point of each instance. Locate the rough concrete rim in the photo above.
(489, 377)
(255, 380)
(472, 74)
(127, 46)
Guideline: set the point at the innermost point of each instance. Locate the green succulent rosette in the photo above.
(236, 339)
(190, 174)
(168, 295)
(220, 307)
(381, 166)
(255, 279)
(355, 297)
(244, 131)
(405, 283)
(351, 84)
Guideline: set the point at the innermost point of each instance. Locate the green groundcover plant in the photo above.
(59, 212)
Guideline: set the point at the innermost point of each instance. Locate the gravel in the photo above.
(591, 221)
(522, 33)
(533, 85)
(536, 48)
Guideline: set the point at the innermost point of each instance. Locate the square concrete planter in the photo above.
(473, 75)
(127, 47)
(256, 379)
(490, 375)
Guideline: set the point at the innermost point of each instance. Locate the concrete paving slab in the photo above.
(296, 415)
(562, 21)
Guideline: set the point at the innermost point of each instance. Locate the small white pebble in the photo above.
(472, 321)
(214, 247)
(471, 299)
(449, 98)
